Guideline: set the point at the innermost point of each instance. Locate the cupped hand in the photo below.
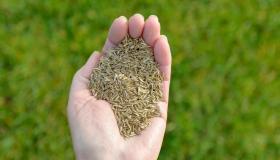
(94, 129)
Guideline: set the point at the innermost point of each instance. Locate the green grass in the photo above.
(225, 90)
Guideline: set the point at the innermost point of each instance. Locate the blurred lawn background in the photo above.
(225, 91)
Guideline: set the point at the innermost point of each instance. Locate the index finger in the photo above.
(118, 31)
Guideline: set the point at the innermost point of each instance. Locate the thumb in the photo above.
(81, 78)
(92, 62)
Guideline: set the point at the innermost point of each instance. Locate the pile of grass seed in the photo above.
(129, 79)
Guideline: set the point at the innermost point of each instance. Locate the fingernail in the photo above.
(122, 17)
(153, 16)
(95, 52)
(137, 14)
(164, 37)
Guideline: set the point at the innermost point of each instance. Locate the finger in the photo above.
(136, 25)
(162, 55)
(151, 30)
(117, 32)
(81, 78)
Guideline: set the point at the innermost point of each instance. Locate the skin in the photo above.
(94, 130)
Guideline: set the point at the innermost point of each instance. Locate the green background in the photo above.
(225, 90)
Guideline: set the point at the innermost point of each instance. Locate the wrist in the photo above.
(96, 155)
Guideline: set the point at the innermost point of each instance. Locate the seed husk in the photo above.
(129, 79)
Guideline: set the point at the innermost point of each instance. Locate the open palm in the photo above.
(94, 129)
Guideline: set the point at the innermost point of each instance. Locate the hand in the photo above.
(94, 129)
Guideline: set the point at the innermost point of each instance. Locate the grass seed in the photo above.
(129, 79)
